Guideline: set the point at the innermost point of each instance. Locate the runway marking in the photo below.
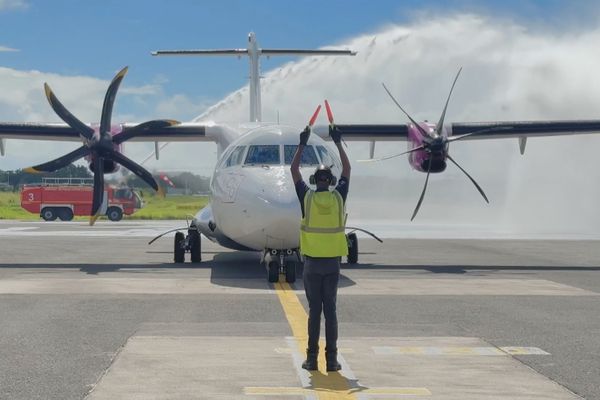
(127, 283)
(458, 350)
(285, 350)
(323, 384)
(463, 286)
(278, 391)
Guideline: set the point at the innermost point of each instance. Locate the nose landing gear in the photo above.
(191, 243)
(280, 262)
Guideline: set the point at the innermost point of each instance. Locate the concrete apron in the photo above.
(166, 367)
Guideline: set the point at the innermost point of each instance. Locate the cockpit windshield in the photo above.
(308, 155)
(326, 157)
(263, 155)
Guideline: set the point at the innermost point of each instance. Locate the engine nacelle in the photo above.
(109, 166)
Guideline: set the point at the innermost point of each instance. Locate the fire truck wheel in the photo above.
(195, 246)
(49, 214)
(178, 248)
(114, 213)
(65, 214)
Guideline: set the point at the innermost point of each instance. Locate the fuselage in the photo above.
(253, 203)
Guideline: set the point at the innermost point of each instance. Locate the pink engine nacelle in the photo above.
(419, 160)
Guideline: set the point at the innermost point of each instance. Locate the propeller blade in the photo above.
(60, 162)
(133, 167)
(66, 116)
(440, 124)
(143, 128)
(98, 195)
(469, 176)
(392, 156)
(499, 128)
(329, 113)
(314, 116)
(423, 131)
(109, 100)
(423, 192)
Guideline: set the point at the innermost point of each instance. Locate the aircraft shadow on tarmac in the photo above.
(243, 269)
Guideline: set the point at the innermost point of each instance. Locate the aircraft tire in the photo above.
(273, 269)
(290, 272)
(195, 246)
(49, 214)
(178, 250)
(352, 248)
(65, 214)
(114, 213)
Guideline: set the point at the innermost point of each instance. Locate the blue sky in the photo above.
(96, 38)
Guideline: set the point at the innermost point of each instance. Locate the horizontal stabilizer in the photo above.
(222, 52)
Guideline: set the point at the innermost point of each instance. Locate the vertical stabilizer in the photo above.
(254, 53)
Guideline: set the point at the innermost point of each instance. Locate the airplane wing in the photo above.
(366, 132)
(486, 130)
(189, 132)
(521, 129)
(41, 131)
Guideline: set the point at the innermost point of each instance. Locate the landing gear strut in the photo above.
(279, 261)
(190, 242)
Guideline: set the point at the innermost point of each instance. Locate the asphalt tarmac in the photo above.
(96, 313)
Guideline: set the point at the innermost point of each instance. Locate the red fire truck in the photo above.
(53, 199)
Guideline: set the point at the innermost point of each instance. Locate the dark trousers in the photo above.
(321, 277)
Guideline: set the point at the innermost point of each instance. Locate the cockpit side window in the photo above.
(235, 158)
(263, 155)
(326, 157)
(309, 157)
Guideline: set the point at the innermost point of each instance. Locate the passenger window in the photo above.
(263, 155)
(309, 157)
(327, 158)
(235, 158)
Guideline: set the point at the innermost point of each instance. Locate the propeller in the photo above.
(100, 147)
(435, 142)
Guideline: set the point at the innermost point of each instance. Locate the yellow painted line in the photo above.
(326, 385)
(279, 391)
(287, 350)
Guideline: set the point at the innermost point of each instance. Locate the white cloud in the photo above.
(4, 48)
(13, 4)
(510, 73)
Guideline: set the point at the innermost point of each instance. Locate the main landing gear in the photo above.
(190, 242)
(281, 262)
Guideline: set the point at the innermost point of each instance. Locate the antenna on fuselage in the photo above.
(254, 52)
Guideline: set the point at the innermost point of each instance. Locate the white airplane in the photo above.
(253, 204)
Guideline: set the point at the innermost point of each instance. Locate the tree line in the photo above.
(184, 181)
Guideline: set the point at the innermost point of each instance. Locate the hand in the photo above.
(304, 135)
(335, 134)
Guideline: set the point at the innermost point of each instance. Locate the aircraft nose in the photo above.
(275, 210)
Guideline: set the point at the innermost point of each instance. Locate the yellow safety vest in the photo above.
(322, 228)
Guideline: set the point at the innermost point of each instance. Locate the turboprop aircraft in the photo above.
(253, 204)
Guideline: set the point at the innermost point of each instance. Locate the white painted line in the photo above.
(457, 350)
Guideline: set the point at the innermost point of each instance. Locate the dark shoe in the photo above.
(332, 362)
(311, 363)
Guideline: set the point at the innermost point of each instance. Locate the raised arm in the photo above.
(337, 139)
(295, 167)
